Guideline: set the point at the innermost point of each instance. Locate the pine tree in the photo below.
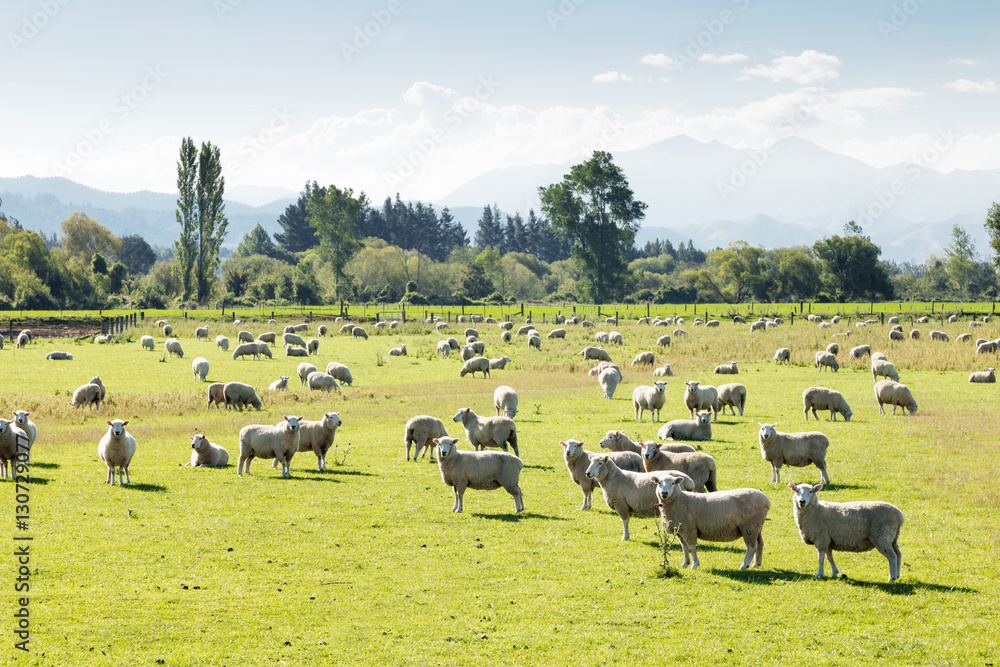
(299, 235)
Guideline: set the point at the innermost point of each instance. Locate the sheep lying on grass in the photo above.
(578, 460)
(989, 375)
(699, 428)
(205, 453)
(699, 466)
(56, 356)
(727, 369)
(398, 351)
(484, 432)
(821, 398)
(663, 371)
(855, 526)
(281, 384)
(279, 442)
(794, 449)
(499, 364)
(894, 394)
(116, 449)
(722, 516)
(478, 470)
(420, 432)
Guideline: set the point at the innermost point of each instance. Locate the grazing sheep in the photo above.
(295, 351)
(578, 460)
(262, 349)
(625, 492)
(200, 368)
(478, 470)
(602, 337)
(644, 358)
(860, 351)
(168, 330)
(472, 332)
(505, 400)
(821, 398)
(239, 395)
(207, 454)
(698, 466)
(878, 355)
(722, 516)
(56, 356)
(281, 384)
(855, 526)
(896, 335)
(649, 398)
(173, 346)
(484, 432)
(595, 353)
(952, 319)
(147, 343)
(506, 337)
(586, 323)
(557, 333)
(443, 348)
(340, 373)
(523, 331)
(739, 320)
(269, 337)
(245, 350)
(989, 375)
(292, 339)
(398, 351)
(712, 323)
(678, 333)
(701, 398)
(312, 346)
(663, 341)
(500, 363)
(476, 365)
(303, 371)
(942, 336)
(116, 449)
(609, 379)
(600, 367)
(534, 341)
(88, 394)
(319, 381)
(159, 323)
(301, 327)
(663, 371)
(321, 330)
(826, 360)
(758, 326)
(783, 354)
(506, 325)
(30, 429)
(727, 369)
(885, 369)
(318, 436)
(222, 343)
(615, 338)
(347, 328)
(699, 428)
(216, 394)
(894, 394)
(733, 395)
(914, 334)
(833, 349)
(441, 326)
(420, 432)
(244, 337)
(201, 332)
(279, 442)
(794, 449)
(923, 320)
(617, 441)
(989, 346)
(453, 343)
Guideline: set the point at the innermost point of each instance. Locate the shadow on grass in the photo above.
(835, 486)
(539, 467)
(37, 480)
(760, 575)
(905, 588)
(518, 517)
(46, 466)
(156, 488)
(323, 474)
(703, 546)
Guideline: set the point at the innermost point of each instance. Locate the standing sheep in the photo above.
(358, 332)
(701, 398)
(821, 398)
(318, 436)
(557, 333)
(940, 335)
(484, 432)
(207, 454)
(340, 373)
(625, 492)
(855, 526)
(885, 369)
(116, 449)
(216, 395)
(88, 394)
(733, 395)
(833, 349)
(320, 381)
(239, 395)
(262, 349)
(321, 330)
(484, 471)
(894, 394)
(200, 368)
(505, 337)
(699, 428)
(476, 365)
(617, 441)
(147, 343)
(244, 350)
(794, 449)
(505, 400)
(595, 353)
(699, 466)
(644, 358)
(443, 348)
(578, 460)
(201, 332)
(279, 442)
(826, 360)
(292, 339)
(609, 379)
(244, 337)
(173, 346)
(303, 370)
(312, 346)
(783, 354)
(420, 432)
(12, 439)
(649, 398)
(22, 422)
(861, 351)
(168, 330)
(222, 343)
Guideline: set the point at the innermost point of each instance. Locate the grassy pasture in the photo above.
(365, 563)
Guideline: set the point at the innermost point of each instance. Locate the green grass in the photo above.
(365, 563)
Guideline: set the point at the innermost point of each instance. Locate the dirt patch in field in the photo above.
(52, 328)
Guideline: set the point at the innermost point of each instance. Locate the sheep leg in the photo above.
(128, 479)
(889, 551)
(693, 548)
(586, 500)
(806, 413)
(759, 550)
(110, 480)
(880, 410)
(822, 473)
(751, 543)
(822, 555)
(687, 554)
(625, 517)
(835, 573)
(518, 500)
(775, 474)
(459, 493)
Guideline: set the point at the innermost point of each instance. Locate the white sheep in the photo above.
(794, 449)
(644, 359)
(472, 332)
(207, 454)
(173, 346)
(952, 319)
(727, 369)
(733, 395)
(441, 326)
(312, 346)
(281, 384)
(826, 360)
(88, 394)
(940, 335)
(663, 341)
(303, 370)
(340, 373)
(147, 343)
(321, 330)
(476, 365)
(617, 441)
(680, 333)
(833, 349)
(245, 350)
(319, 381)
(420, 432)
(885, 369)
(508, 325)
(302, 327)
(168, 330)
(625, 492)
(12, 442)
(279, 442)
(484, 432)
(699, 467)
(292, 339)
(347, 328)
(98, 340)
(699, 428)
(216, 395)
(222, 343)
(318, 436)
(914, 334)
(663, 371)
(200, 368)
(201, 332)
(783, 354)
(878, 355)
(578, 460)
(989, 375)
(262, 349)
(557, 333)
(615, 338)
(701, 398)
(500, 363)
(860, 351)
(268, 337)
(722, 516)
(586, 323)
(505, 400)
(711, 323)
(30, 429)
(505, 337)
(598, 353)
(892, 393)
(443, 348)
(649, 398)
(398, 351)
(467, 352)
(56, 356)
(239, 395)
(758, 326)
(295, 351)
(116, 449)
(159, 323)
(534, 341)
(855, 526)
(821, 398)
(609, 379)
(989, 346)
(478, 470)
(896, 336)
(245, 337)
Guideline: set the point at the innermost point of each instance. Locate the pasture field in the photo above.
(365, 564)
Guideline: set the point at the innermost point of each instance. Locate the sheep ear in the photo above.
(109, 423)
(125, 423)
(563, 444)
(437, 441)
(791, 486)
(656, 480)
(817, 487)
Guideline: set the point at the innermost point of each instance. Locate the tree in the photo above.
(335, 216)
(257, 242)
(489, 232)
(137, 256)
(117, 273)
(851, 268)
(186, 247)
(298, 235)
(98, 264)
(212, 222)
(593, 206)
(475, 282)
(83, 237)
(961, 254)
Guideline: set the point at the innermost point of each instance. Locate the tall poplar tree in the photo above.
(212, 221)
(186, 247)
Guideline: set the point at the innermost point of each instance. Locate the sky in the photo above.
(418, 97)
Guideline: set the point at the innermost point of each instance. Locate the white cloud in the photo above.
(966, 86)
(808, 68)
(612, 77)
(968, 62)
(969, 151)
(724, 59)
(659, 60)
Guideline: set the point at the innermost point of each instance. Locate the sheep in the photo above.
(698, 466)
(980, 341)
(896, 336)
(312, 346)
(699, 428)
(476, 365)
(201, 332)
(484, 432)
(358, 332)
(923, 320)
(500, 363)
(711, 323)
(601, 366)
(508, 325)
(303, 371)
(722, 516)
(586, 323)
(894, 394)
(663, 341)
(56, 356)
(116, 448)
(505, 400)
(739, 320)
(794, 449)
(821, 398)
(292, 339)
(340, 373)
(649, 398)
(237, 323)
(281, 384)
(279, 442)
(855, 526)
(758, 326)
(347, 328)
(398, 351)
(88, 394)
(318, 436)
(617, 441)
(441, 326)
(207, 454)
(783, 354)
(595, 353)
(523, 331)
(914, 334)
(420, 432)
(262, 349)
(644, 358)
(833, 349)
(472, 332)
(678, 333)
(216, 395)
(733, 395)
(663, 371)
(443, 348)
(988, 346)
(222, 343)
(478, 470)
(557, 333)
(885, 369)
(239, 395)
(860, 351)
(897, 328)
(30, 429)
(835, 319)
(159, 323)
(989, 375)
(609, 379)
(321, 330)
(942, 336)
(147, 343)
(244, 337)
(578, 460)
(245, 350)
(319, 381)
(168, 330)
(625, 492)
(200, 368)
(98, 340)
(505, 337)
(12, 439)
(826, 360)
(295, 351)
(301, 327)
(173, 346)
(268, 337)
(701, 398)
(602, 337)
(727, 369)
(534, 341)
(952, 319)
(615, 338)
(878, 355)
